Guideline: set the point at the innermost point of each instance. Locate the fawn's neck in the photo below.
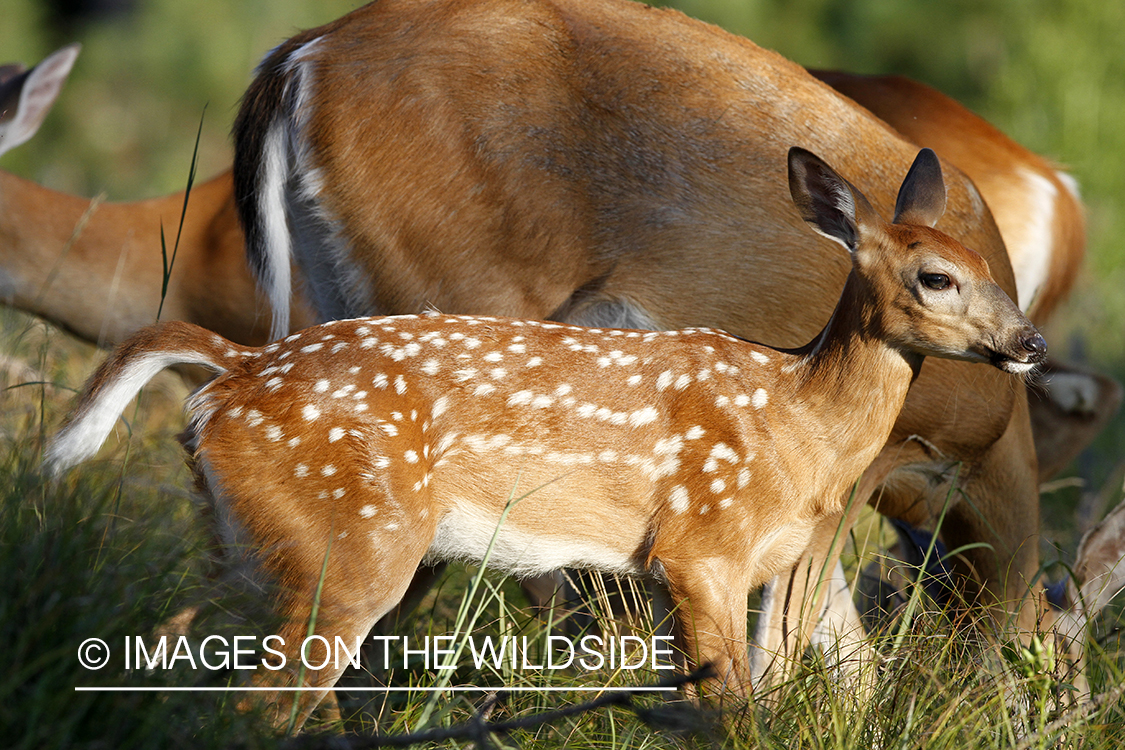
(851, 380)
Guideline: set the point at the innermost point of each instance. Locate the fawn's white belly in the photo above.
(466, 533)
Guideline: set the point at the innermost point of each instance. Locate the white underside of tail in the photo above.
(90, 427)
(295, 225)
(278, 246)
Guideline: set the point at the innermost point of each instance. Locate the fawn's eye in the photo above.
(935, 281)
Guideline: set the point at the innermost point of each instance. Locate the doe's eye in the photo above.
(935, 281)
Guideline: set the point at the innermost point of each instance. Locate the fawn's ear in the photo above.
(25, 98)
(828, 202)
(921, 199)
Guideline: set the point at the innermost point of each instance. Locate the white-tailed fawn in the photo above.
(366, 446)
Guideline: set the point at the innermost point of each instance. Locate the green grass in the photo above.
(117, 546)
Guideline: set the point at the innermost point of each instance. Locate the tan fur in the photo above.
(96, 268)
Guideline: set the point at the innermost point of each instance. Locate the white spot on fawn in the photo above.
(310, 412)
(743, 478)
(643, 416)
(336, 433)
(761, 398)
(439, 407)
(679, 498)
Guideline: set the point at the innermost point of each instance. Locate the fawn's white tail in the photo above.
(122, 375)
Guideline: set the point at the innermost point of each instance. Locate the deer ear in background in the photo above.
(25, 98)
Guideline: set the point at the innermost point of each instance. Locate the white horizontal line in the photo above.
(469, 689)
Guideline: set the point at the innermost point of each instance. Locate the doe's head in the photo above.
(927, 292)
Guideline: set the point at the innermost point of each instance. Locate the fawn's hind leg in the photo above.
(338, 554)
(325, 619)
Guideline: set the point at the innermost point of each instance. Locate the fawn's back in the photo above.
(603, 436)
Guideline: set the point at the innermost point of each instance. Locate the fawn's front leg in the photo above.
(708, 599)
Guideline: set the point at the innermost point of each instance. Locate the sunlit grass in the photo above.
(117, 546)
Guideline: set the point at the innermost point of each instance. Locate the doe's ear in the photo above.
(921, 199)
(25, 98)
(824, 199)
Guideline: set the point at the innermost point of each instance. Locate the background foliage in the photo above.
(1050, 73)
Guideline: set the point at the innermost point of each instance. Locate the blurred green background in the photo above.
(1049, 73)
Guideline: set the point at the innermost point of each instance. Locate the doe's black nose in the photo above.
(1034, 344)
